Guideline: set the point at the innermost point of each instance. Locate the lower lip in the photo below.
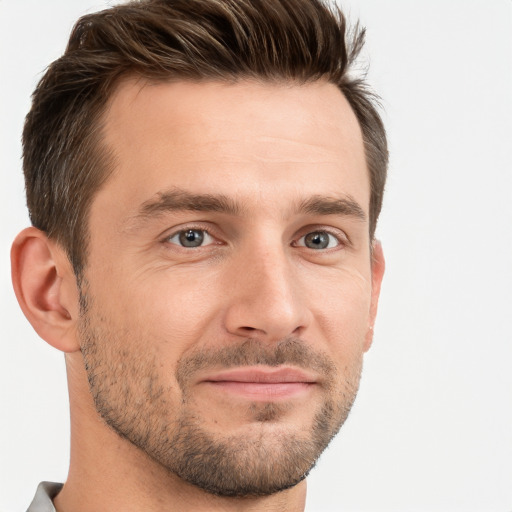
(264, 391)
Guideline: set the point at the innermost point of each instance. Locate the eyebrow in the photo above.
(181, 200)
(175, 200)
(320, 205)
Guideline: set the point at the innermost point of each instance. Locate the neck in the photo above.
(108, 473)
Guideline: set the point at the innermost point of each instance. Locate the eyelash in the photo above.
(341, 239)
(174, 234)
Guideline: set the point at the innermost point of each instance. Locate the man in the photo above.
(204, 179)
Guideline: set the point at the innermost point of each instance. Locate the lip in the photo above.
(262, 383)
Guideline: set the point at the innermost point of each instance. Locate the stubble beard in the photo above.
(131, 399)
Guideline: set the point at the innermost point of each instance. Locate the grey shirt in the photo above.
(42, 501)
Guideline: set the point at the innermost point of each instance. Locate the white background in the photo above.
(432, 427)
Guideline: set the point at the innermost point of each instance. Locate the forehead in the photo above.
(214, 136)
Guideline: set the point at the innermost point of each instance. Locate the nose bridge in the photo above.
(266, 300)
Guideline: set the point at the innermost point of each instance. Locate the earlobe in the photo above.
(45, 287)
(378, 267)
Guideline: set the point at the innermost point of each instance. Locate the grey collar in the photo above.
(42, 501)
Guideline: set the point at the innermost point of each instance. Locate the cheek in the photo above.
(166, 312)
(345, 294)
(341, 308)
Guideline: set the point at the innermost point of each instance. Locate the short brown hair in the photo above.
(64, 160)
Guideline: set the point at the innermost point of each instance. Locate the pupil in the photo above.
(317, 240)
(191, 238)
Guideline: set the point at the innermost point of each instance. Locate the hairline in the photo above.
(106, 155)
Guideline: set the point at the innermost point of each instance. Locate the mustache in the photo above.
(252, 352)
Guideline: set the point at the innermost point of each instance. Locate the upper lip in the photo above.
(262, 374)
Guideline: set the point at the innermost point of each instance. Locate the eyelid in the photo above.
(171, 233)
(207, 239)
(338, 234)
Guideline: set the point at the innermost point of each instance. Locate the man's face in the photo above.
(228, 288)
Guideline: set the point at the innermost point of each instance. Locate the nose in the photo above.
(265, 297)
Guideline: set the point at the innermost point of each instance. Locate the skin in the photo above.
(154, 307)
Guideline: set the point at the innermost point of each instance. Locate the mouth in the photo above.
(262, 383)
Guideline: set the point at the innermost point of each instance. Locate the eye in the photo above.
(191, 238)
(318, 240)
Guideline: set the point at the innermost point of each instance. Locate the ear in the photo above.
(378, 266)
(46, 288)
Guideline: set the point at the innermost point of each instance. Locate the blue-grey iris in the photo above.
(317, 240)
(191, 238)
